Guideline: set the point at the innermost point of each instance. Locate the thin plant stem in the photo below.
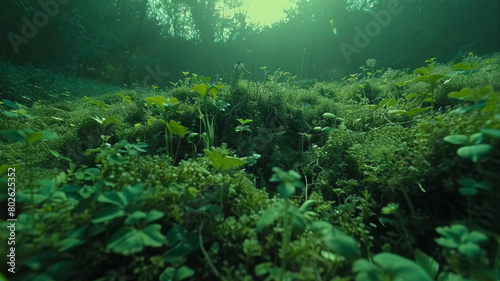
(210, 263)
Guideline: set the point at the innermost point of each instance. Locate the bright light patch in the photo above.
(261, 12)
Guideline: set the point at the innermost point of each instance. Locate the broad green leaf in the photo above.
(464, 94)
(201, 89)
(455, 231)
(316, 130)
(129, 240)
(188, 243)
(172, 104)
(113, 197)
(475, 236)
(29, 136)
(10, 114)
(400, 268)
(223, 162)
(158, 100)
(471, 183)
(446, 242)
(69, 243)
(33, 137)
(9, 103)
(366, 271)
(328, 115)
(221, 105)
(342, 244)
(433, 78)
(152, 235)
(168, 274)
(482, 185)
(469, 249)
(243, 128)
(414, 111)
(243, 122)
(108, 213)
(422, 70)
(183, 272)
(18, 135)
(126, 241)
(135, 217)
(430, 265)
(286, 189)
(214, 90)
(335, 240)
(474, 152)
(69, 188)
(491, 132)
(326, 129)
(109, 121)
(58, 196)
(457, 139)
(466, 182)
(91, 173)
(467, 191)
(154, 215)
(389, 267)
(176, 128)
(263, 268)
(476, 138)
(131, 193)
(175, 234)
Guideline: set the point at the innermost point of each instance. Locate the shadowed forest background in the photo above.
(122, 42)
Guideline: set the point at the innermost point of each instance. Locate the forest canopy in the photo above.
(116, 41)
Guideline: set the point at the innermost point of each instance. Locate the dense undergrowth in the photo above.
(385, 175)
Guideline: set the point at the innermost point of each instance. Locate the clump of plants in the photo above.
(262, 180)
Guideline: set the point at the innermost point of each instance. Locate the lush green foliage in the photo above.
(355, 180)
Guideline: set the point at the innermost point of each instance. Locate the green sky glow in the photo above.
(263, 12)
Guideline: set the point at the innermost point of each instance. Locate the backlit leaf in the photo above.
(201, 89)
(176, 128)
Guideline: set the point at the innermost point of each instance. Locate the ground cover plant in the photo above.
(383, 175)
